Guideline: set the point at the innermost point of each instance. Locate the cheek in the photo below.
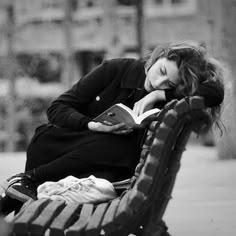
(152, 76)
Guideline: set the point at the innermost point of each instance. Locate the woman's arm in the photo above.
(148, 102)
(212, 91)
(67, 110)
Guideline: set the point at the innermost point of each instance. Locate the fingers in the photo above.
(99, 127)
(138, 108)
(111, 128)
(107, 122)
(125, 131)
(135, 109)
(147, 102)
(115, 129)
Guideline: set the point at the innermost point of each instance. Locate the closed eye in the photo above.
(162, 71)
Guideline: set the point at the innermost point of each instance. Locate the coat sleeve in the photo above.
(212, 91)
(67, 110)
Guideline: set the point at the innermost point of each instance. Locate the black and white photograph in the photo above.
(117, 117)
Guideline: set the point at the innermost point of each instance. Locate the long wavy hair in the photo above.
(195, 67)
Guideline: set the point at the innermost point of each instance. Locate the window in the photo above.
(127, 2)
(52, 4)
(169, 2)
(90, 3)
(87, 3)
(58, 4)
(170, 7)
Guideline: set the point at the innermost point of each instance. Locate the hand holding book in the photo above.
(120, 128)
(119, 113)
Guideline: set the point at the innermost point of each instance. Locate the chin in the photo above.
(148, 86)
(148, 89)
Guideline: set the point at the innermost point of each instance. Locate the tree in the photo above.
(11, 120)
(140, 28)
(69, 64)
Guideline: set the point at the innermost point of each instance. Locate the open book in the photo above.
(119, 113)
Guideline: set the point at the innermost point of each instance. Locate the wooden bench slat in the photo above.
(107, 222)
(64, 219)
(23, 208)
(171, 118)
(149, 139)
(123, 211)
(157, 148)
(40, 224)
(152, 126)
(182, 107)
(22, 221)
(144, 153)
(151, 165)
(93, 228)
(80, 224)
(144, 183)
(136, 199)
(163, 132)
(139, 167)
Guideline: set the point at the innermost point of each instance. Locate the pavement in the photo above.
(204, 196)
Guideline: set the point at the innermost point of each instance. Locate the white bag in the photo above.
(72, 189)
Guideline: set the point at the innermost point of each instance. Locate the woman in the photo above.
(73, 144)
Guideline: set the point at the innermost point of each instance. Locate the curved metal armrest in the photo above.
(123, 184)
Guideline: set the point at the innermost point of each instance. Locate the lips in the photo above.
(152, 88)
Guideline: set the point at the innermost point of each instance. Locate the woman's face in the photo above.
(163, 74)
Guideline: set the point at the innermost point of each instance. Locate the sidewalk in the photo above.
(204, 197)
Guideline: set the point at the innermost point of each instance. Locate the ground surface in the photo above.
(204, 197)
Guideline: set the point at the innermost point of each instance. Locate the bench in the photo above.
(139, 209)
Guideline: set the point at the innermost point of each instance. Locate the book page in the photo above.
(139, 119)
(116, 114)
(129, 110)
(120, 113)
(146, 114)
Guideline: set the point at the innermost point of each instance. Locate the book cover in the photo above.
(119, 113)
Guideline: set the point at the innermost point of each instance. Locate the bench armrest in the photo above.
(123, 184)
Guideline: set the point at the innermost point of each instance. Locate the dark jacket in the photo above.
(114, 81)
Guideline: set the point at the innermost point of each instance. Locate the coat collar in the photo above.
(135, 76)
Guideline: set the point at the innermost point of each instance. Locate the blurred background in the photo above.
(47, 45)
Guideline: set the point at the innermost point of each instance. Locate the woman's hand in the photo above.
(147, 102)
(114, 129)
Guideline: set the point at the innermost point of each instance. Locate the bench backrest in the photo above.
(160, 161)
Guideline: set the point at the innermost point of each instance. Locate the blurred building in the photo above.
(61, 40)
(100, 29)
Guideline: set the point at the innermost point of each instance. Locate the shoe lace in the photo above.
(18, 176)
(23, 178)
